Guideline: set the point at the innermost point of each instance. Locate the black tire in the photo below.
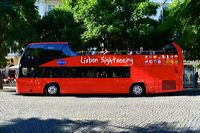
(52, 89)
(137, 90)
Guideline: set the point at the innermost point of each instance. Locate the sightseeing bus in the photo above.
(53, 68)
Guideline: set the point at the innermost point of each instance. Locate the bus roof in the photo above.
(48, 43)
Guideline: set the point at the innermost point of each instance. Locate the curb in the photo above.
(8, 87)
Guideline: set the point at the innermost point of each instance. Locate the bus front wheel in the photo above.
(52, 89)
(137, 89)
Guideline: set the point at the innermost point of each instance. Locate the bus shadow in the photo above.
(189, 92)
(186, 92)
(97, 126)
(82, 95)
(99, 95)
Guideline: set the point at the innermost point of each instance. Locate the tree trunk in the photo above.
(1, 81)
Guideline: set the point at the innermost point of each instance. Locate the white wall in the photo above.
(159, 10)
(43, 5)
(161, 1)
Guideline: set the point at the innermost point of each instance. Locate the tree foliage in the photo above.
(17, 21)
(59, 25)
(116, 23)
(184, 23)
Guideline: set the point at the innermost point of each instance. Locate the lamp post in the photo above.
(162, 12)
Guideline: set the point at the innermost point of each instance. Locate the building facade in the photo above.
(44, 6)
(162, 5)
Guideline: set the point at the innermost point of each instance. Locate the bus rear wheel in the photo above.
(137, 90)
(52, 89)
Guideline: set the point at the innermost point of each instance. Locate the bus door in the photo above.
(188, 76)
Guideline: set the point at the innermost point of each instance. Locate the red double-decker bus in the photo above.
(53, 68)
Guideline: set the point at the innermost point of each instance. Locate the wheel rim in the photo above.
(137, 90)
(52, 90)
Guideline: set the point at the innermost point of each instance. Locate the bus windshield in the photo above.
(38, 54)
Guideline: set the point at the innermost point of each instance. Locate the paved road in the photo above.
(84, 113)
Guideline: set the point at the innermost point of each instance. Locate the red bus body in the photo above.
(159, 74)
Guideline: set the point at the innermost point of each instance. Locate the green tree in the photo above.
(116, 23)
(183, 23)
(59, 25)
(17, 21)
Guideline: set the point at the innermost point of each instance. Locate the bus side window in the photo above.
(24, 71)
(104, 74)
(114, 74)
(47, 73)
(89, 74)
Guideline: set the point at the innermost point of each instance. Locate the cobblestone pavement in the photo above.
(107, 113)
